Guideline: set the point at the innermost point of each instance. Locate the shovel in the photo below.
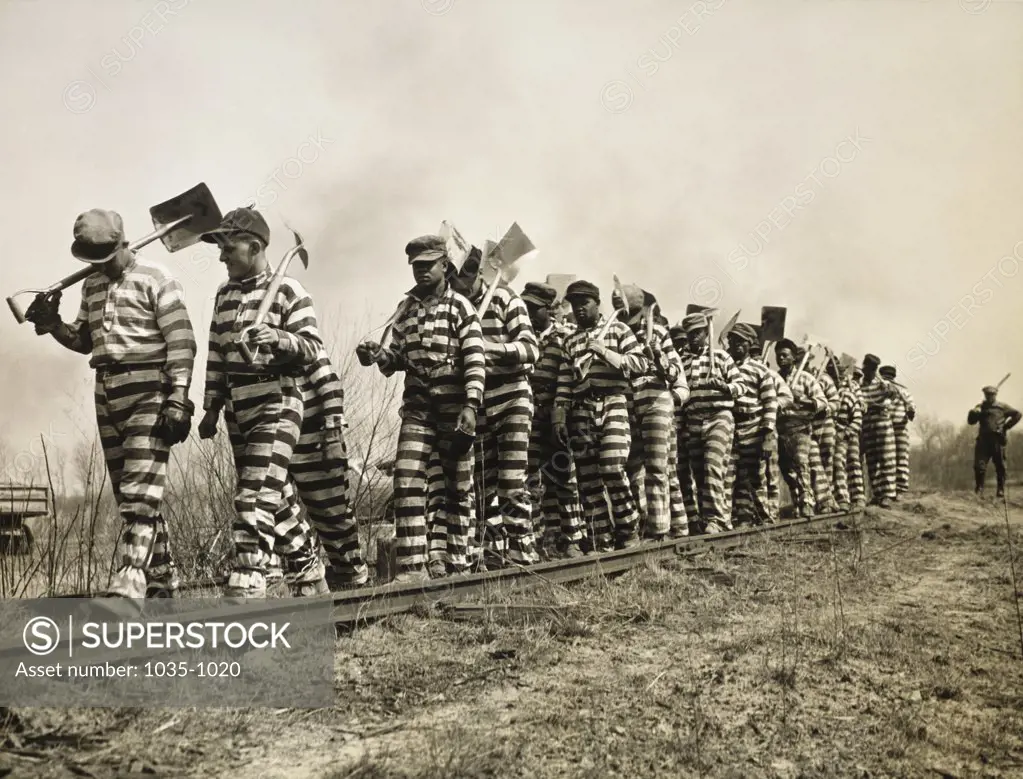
(179, 222)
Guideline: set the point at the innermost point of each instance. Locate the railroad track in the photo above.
(365, 604)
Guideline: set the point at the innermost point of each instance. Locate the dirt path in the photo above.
(888, 652)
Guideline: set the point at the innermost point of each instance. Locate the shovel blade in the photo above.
(772, 323)
(457, 247)
(199, 204)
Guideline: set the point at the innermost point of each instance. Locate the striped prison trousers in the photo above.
(854, 467)
(839, 470)
(296, 550)
(710, 441)
(266, 416)
(750, 502)
(323, 486)
(502, 436)
(431, 484)
(901, 457)
(687, 484)
(553, 486)
(879, 449)
(128, 404)
(676, 502)
(770, 477)
(794, 462)
(601, 438)
(652, 425)
(822, 449)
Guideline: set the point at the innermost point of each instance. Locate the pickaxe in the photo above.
(298, 250)
(179, 222)
(582, 365)
(502, 259)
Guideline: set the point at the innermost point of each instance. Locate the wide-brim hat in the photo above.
(99, 233)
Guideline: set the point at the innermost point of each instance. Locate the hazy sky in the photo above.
(858, 161)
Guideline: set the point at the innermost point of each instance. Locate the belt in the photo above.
(601, 394)
(119, 368)
(248, 379)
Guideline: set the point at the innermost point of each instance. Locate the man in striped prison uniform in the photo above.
(823, 438)
(795, 425)
(756, 416)
(133, 322)
(438, 343)
(878, 433)
(261, 401)
(652, 411)
(685, 506)
(770, 470)
(847, 471)
(591, 416)
(903, 412)
(709, 422)
(502, 430)
(854, 456)
(552, 481)
(319, 470)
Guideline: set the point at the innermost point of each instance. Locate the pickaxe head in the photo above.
(300, 250)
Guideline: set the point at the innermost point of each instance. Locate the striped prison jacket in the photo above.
(758, 404)
(878, 397)
(830, 391)
(901, 404)
(804, 388)
(667, 370)
(601, 378)
(544, 376)
(140, 319)
(704, 402)
(235, 308)
(781, 387)
(849, 414)
(506, 321)
(438, 343)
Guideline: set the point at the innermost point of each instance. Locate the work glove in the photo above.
(208, 425)
(175, 420)
(911, 414)
(44, 313)
(334, 449)
(368, 353)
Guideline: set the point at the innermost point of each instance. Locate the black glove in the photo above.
(44, 313)
(367, 352)
(911, 414)
(175, 421)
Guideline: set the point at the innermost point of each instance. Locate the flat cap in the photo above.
(635, 298)
(539, 294)
(989, 390)
(871, 359)
(692, 322)
(786, 343)
(98, 233)
(240, 221)
(582, 289)
(888, 371)
(425, 248)
(744, 332)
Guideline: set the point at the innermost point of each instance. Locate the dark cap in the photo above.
(242, 220)
(426, 248)
(539, 294)
(582, 289)
(871, 360)
(786, 343)
(98, 234)
(744, 332)
(697, 321)
(677, 332)
(989, 390)
(888, 371)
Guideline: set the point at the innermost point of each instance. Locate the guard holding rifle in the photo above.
(994, 420)
(262, 401)
(133, 322)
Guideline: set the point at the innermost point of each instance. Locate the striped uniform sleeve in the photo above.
(215, 393)
(299, 335)
(81, 338)
(676, 372)
(523, 348)
(830, 393)
(172, 319)
(784, 391)
(814, 392)
(634, 361)
(563, 393)
(729, 371)
(396, 357)
(470, 340)
(908, 400)
(768, 396)
(326, 386)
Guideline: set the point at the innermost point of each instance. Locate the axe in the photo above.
(271, 293)
(723, 335)
(179, 222)
(512, 247)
